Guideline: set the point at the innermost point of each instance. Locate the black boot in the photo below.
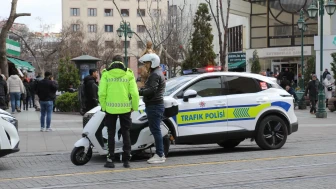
(126, 164)
(109, 163)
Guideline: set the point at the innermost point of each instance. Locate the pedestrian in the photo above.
(36, 98)
(152, 94)
(91, 89)
(7, 95)
(291, 91)
(325, 73)
(118, 97)
(3, 93)
(284, 82)
(16, 88)
(312, 88)
(32, 93)
(27, 97)
(46, 92)
(328, 88)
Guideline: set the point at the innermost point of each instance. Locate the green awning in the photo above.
(236, 65)
(20, 64)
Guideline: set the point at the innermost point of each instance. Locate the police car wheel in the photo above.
(272, 133)
(230, 144)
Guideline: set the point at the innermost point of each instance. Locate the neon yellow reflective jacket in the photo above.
(118, 92)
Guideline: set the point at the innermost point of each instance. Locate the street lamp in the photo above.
(302, 27)
(312, 12)
(125, 29)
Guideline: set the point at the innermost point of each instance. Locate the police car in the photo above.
(228, 107)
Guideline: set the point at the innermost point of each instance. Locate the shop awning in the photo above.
(236, 65)
(20, 64)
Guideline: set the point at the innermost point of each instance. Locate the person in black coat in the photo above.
(91, 89)
(3, 93)
(27, 96)
(312, 88)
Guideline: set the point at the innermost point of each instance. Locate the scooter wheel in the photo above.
(78, 156)
(166, 145)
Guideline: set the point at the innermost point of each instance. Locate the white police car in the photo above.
(229, 107)
(226, 108)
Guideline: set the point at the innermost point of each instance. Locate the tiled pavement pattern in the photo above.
(306, 161)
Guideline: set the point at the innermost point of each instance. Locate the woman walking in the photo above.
(16, 88)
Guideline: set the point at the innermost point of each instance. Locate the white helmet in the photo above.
(152, 57)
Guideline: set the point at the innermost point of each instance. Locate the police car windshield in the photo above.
(173, 84)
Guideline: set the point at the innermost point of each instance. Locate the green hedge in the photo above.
(68, 102)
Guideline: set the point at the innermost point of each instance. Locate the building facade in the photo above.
(105, 17)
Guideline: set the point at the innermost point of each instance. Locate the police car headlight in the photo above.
(10, 120)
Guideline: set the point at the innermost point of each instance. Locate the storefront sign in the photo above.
(13, 47)
(236, 57)
(284, 52)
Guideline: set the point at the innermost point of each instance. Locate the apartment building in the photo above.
(102, 16)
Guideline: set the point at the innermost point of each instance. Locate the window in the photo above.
(207, 87)
(125, 12)
(75, 27)
(141, 12)
(127, 44)
(140, 44)
(74, 11)
(141, 28)
(156, 12)
(108, 12)
(109, 44)
(92, 12)
(108, 28)
(241, 85)
(92, 28)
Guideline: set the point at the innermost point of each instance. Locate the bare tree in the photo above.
(221, 25)
(3, 35)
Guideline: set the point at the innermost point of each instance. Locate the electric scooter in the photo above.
(9, 136)
(141, 137)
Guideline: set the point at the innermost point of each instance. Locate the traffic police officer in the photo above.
(118, 97)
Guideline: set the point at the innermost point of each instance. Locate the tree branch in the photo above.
(150, 36)
(21, 14)
(122, 18)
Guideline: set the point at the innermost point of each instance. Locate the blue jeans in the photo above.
(15, 99)
(46, 110)
(154, 115)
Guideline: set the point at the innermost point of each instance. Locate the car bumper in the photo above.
(293, 127)
(8, 151)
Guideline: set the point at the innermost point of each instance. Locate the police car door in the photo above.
(206, 113)
(244, 103)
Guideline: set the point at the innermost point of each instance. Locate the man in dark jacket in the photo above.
(46, 91)
(91, 89)
(36, 98)
(312, 88)
(152, 94)
(3, 93)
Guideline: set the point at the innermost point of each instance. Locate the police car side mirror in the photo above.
(189, 94)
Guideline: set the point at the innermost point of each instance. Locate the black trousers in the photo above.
(125, 125)
(313, 102)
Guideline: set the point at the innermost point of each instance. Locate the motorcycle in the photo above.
(141, 137)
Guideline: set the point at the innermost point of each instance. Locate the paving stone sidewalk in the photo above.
(67, 130)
